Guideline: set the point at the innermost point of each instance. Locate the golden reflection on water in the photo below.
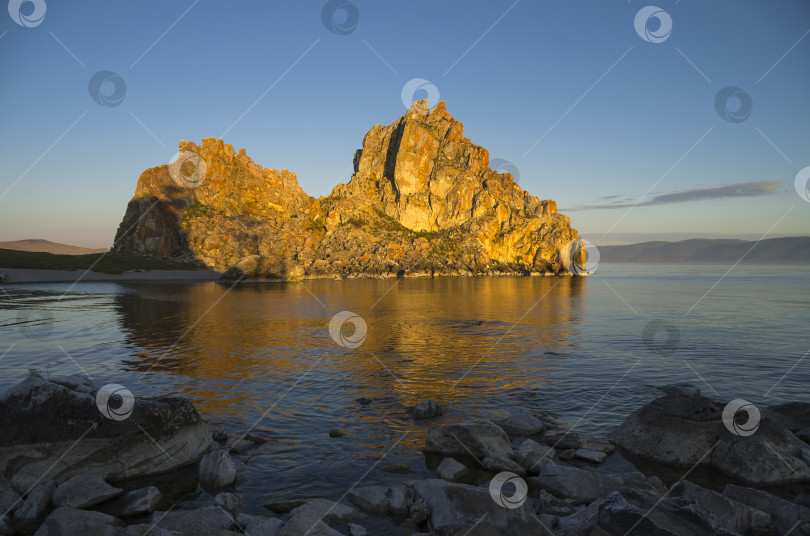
(449, 339)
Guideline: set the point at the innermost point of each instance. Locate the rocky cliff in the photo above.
(422, 201)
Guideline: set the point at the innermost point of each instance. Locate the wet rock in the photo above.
(364, 401)
(560, 439)
(465, 439)
(83, 491)
(586, 486)
(686, 390)
(219, 435)
(456, 508)
(198, 522)
(139, 501)
(357, 530)
(582, 523)
(31, 513)
(785, 515)
(804, 434)
(592, 456)
(689, 432)
(216, 470)
(397, 468)
(568, 454)
(394, 500)
(68, 521)
(496, 464)
(645, 513)
(318, 515)
(54, 426)
(533, 456)
(338, 432)
(427, 409)
(794, 416)
(420, 511)
(5, 526)
(242, 445)
(451, 470)
(284, 507)
(230, 502)
(521, 424)
(9, 498)
(734, 516)
(256, 526)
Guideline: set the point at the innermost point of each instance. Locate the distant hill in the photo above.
(789, 250)
(46, 246)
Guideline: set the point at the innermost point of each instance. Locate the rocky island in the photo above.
(422, 201)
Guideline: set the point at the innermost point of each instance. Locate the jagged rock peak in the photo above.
(422, 200)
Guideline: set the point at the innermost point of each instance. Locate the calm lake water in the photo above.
(261, 356)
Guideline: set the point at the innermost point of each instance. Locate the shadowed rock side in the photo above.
(422, 201)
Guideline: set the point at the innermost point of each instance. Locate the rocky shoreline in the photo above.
(80, 459)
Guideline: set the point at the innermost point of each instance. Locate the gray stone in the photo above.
(451, 470)
(646, 513)
(586, 486)
(198, 522)
(426, 409)
(219, 435)
(35, 507)
(230, 502)
(562, 440)
(593, 456)
(53, 427)
(549, 504)
(533, 456)
(84, 491)
(357, 530)
(384, 500)
(317, 517)
(242, 445)
(67, 521)
(136, 502)
(784, 514)
(497, 464)
(689, 432)
(456, 508)
(216, 470)
(144, 529)
(469, 439)
(521, 424)
(580, 523)
(420, 511)
(686, 390)
(5, 526)
(794, 416)
(733, 515)
(804, 434)
(9, 498)
(257, 526)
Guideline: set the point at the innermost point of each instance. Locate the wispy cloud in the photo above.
(742, 189)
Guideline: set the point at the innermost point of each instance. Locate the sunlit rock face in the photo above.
(422, 201)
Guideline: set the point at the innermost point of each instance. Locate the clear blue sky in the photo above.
(613, 113)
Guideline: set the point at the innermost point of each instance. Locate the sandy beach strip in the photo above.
(11, 276)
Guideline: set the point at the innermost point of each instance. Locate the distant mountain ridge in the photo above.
(787, 250)
(39, 245)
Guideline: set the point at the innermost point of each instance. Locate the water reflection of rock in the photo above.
(450, 339)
